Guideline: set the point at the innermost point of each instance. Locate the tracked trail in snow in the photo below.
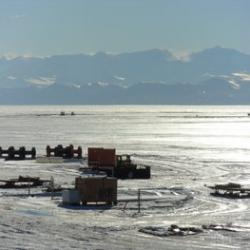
(187, 148)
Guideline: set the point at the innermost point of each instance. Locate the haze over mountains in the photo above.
(213, 76)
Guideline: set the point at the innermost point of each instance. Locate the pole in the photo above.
(52, 184)
(139, 200)
(28, 188)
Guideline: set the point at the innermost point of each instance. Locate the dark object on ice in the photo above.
(230, 190)
(65, 152)
(63, 113)
(92, 172)
(50, 189)
(17, 154)
(23, 182)
(232, 194)
(97, 189)
(227, 186)
(215, 227)
(119, 166)
(125, 167)
(173, 230)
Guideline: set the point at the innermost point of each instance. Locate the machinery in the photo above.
(119, 166)
(17, 154)
(65, 152)
(23, 182)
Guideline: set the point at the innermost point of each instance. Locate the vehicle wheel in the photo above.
(130, 175)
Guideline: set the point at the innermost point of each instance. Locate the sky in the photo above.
(49, 27)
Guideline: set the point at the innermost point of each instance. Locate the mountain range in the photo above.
(212, 76)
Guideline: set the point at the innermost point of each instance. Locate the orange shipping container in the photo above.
(94, 155)
(108, 158)
(101, 157)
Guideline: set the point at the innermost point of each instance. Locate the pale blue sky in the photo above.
(46, 27)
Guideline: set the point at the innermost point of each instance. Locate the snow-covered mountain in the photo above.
(153, 76)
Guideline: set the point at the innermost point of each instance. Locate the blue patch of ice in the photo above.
(35, 212)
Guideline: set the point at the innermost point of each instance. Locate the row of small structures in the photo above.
(17, 154)
(104, 168)
(99, 159)
(68, 152)
(99, 183)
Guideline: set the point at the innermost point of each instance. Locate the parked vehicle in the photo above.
(119, 166)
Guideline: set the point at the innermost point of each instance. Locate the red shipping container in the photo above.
(101, 157)
(108, 158)
(94, 156)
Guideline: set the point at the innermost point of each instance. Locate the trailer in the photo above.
(230, 190)
(119, 166)
(23, 182)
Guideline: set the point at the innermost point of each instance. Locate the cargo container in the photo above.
(101, 157)
(97, 189)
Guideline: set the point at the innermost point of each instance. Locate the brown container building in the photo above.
(101, 157)
(97, 189)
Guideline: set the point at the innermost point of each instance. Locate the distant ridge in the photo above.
(212, 76)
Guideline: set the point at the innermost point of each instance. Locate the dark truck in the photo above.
(119, 166)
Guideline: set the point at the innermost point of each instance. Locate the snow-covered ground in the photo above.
(187, 147)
